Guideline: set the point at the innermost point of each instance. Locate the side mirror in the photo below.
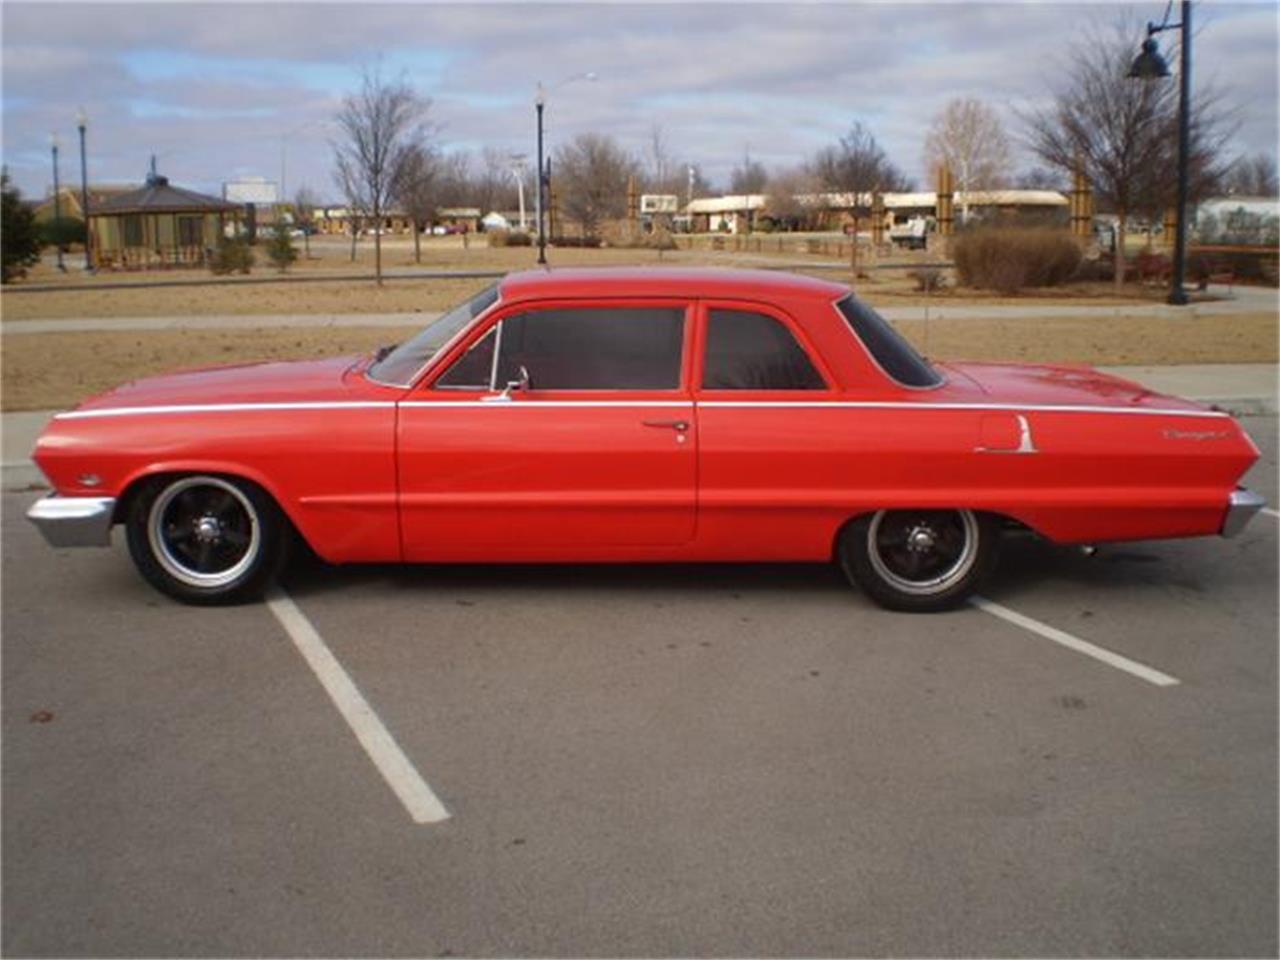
(522, 383)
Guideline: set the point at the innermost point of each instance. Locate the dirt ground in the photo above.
(58, 370)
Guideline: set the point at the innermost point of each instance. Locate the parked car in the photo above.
(635, 416)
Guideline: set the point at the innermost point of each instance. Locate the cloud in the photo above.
(220, 89)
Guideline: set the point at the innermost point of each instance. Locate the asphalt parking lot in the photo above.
(594, 761)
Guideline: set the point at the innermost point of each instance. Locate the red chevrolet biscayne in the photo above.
(633, 416)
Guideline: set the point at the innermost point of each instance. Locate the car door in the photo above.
(770, 436)
(594, 456)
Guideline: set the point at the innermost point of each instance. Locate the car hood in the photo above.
(274, 382)
(1045, 385)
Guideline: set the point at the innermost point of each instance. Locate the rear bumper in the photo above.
(1241, 507)
(74, 521)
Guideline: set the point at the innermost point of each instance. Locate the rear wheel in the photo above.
(919, 560)
(206, 539)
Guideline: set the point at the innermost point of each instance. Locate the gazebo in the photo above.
(158, 226)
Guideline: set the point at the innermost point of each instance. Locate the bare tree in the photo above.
(858, 165)
(1253, 176)
(1125, 131)
(378, 127)
(415, 191)
(750, 177)
(659, 157)
(593, 171)
(1038, 178)
(304, 213)
(791, 197)
(968, 137)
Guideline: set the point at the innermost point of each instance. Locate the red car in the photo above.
(632, 416)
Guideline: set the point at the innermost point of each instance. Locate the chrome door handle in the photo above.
(678, 425)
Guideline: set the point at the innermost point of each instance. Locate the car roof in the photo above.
(666, 281)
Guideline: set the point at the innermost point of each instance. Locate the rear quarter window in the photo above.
(890, 350)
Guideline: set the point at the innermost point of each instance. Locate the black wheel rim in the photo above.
(923, 552)
(204, 531)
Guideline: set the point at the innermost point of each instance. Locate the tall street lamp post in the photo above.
(82, 121)
(544, 173)
(539, 102)
(1150, 65)
(57, 203)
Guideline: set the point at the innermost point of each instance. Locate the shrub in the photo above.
(233, 255)
(591, 242)
(509, 238)
(1008, 259)
(280, 248)
(62, 233)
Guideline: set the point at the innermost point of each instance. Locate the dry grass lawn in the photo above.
(233, 296)
(58, 370)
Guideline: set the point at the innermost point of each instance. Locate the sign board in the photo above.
(253, 190)
(659, 203)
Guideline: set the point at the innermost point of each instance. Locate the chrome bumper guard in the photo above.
(74, 521)
(1241, 507)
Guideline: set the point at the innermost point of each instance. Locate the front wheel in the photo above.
(919, 561)
(206, 539)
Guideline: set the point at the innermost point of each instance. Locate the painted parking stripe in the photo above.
(401, 776)
(1140, 670)
(1271, 513)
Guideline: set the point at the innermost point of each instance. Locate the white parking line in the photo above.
(1271, 513)
(401, 776)
(1139, 670)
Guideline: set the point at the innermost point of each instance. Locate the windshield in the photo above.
(890, 351)
(401, 365)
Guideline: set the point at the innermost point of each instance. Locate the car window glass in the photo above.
(615, 348)
(473, 370)
(895, 356)
(750, 351)
(400, 365)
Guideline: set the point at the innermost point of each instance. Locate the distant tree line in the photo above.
(1122, 131)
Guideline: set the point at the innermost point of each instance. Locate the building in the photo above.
(833, 211)
(731, 214)
(69, 201)
(458, 219)
(158, 225)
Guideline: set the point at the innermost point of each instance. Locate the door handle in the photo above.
(678, 425)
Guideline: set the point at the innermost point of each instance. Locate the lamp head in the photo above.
(82, 118)
(1149, 64)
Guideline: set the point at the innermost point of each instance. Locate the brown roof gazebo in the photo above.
(158, 226)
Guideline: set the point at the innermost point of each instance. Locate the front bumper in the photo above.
(1241, 507)
(74, 521)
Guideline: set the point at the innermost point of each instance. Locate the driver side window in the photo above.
(594, 348)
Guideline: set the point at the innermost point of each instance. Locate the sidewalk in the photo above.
(1243, 389)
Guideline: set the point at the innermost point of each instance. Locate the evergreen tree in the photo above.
(18, 234)
(281, 249)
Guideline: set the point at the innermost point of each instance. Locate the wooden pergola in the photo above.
(158, 226)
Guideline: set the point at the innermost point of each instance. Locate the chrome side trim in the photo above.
(74, 521)
(225, 408)
(532, 403)
(1241, 506)
(1025, 442)
(1014, 407)
(781, 404)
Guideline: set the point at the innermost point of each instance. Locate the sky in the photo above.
(228, 90)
